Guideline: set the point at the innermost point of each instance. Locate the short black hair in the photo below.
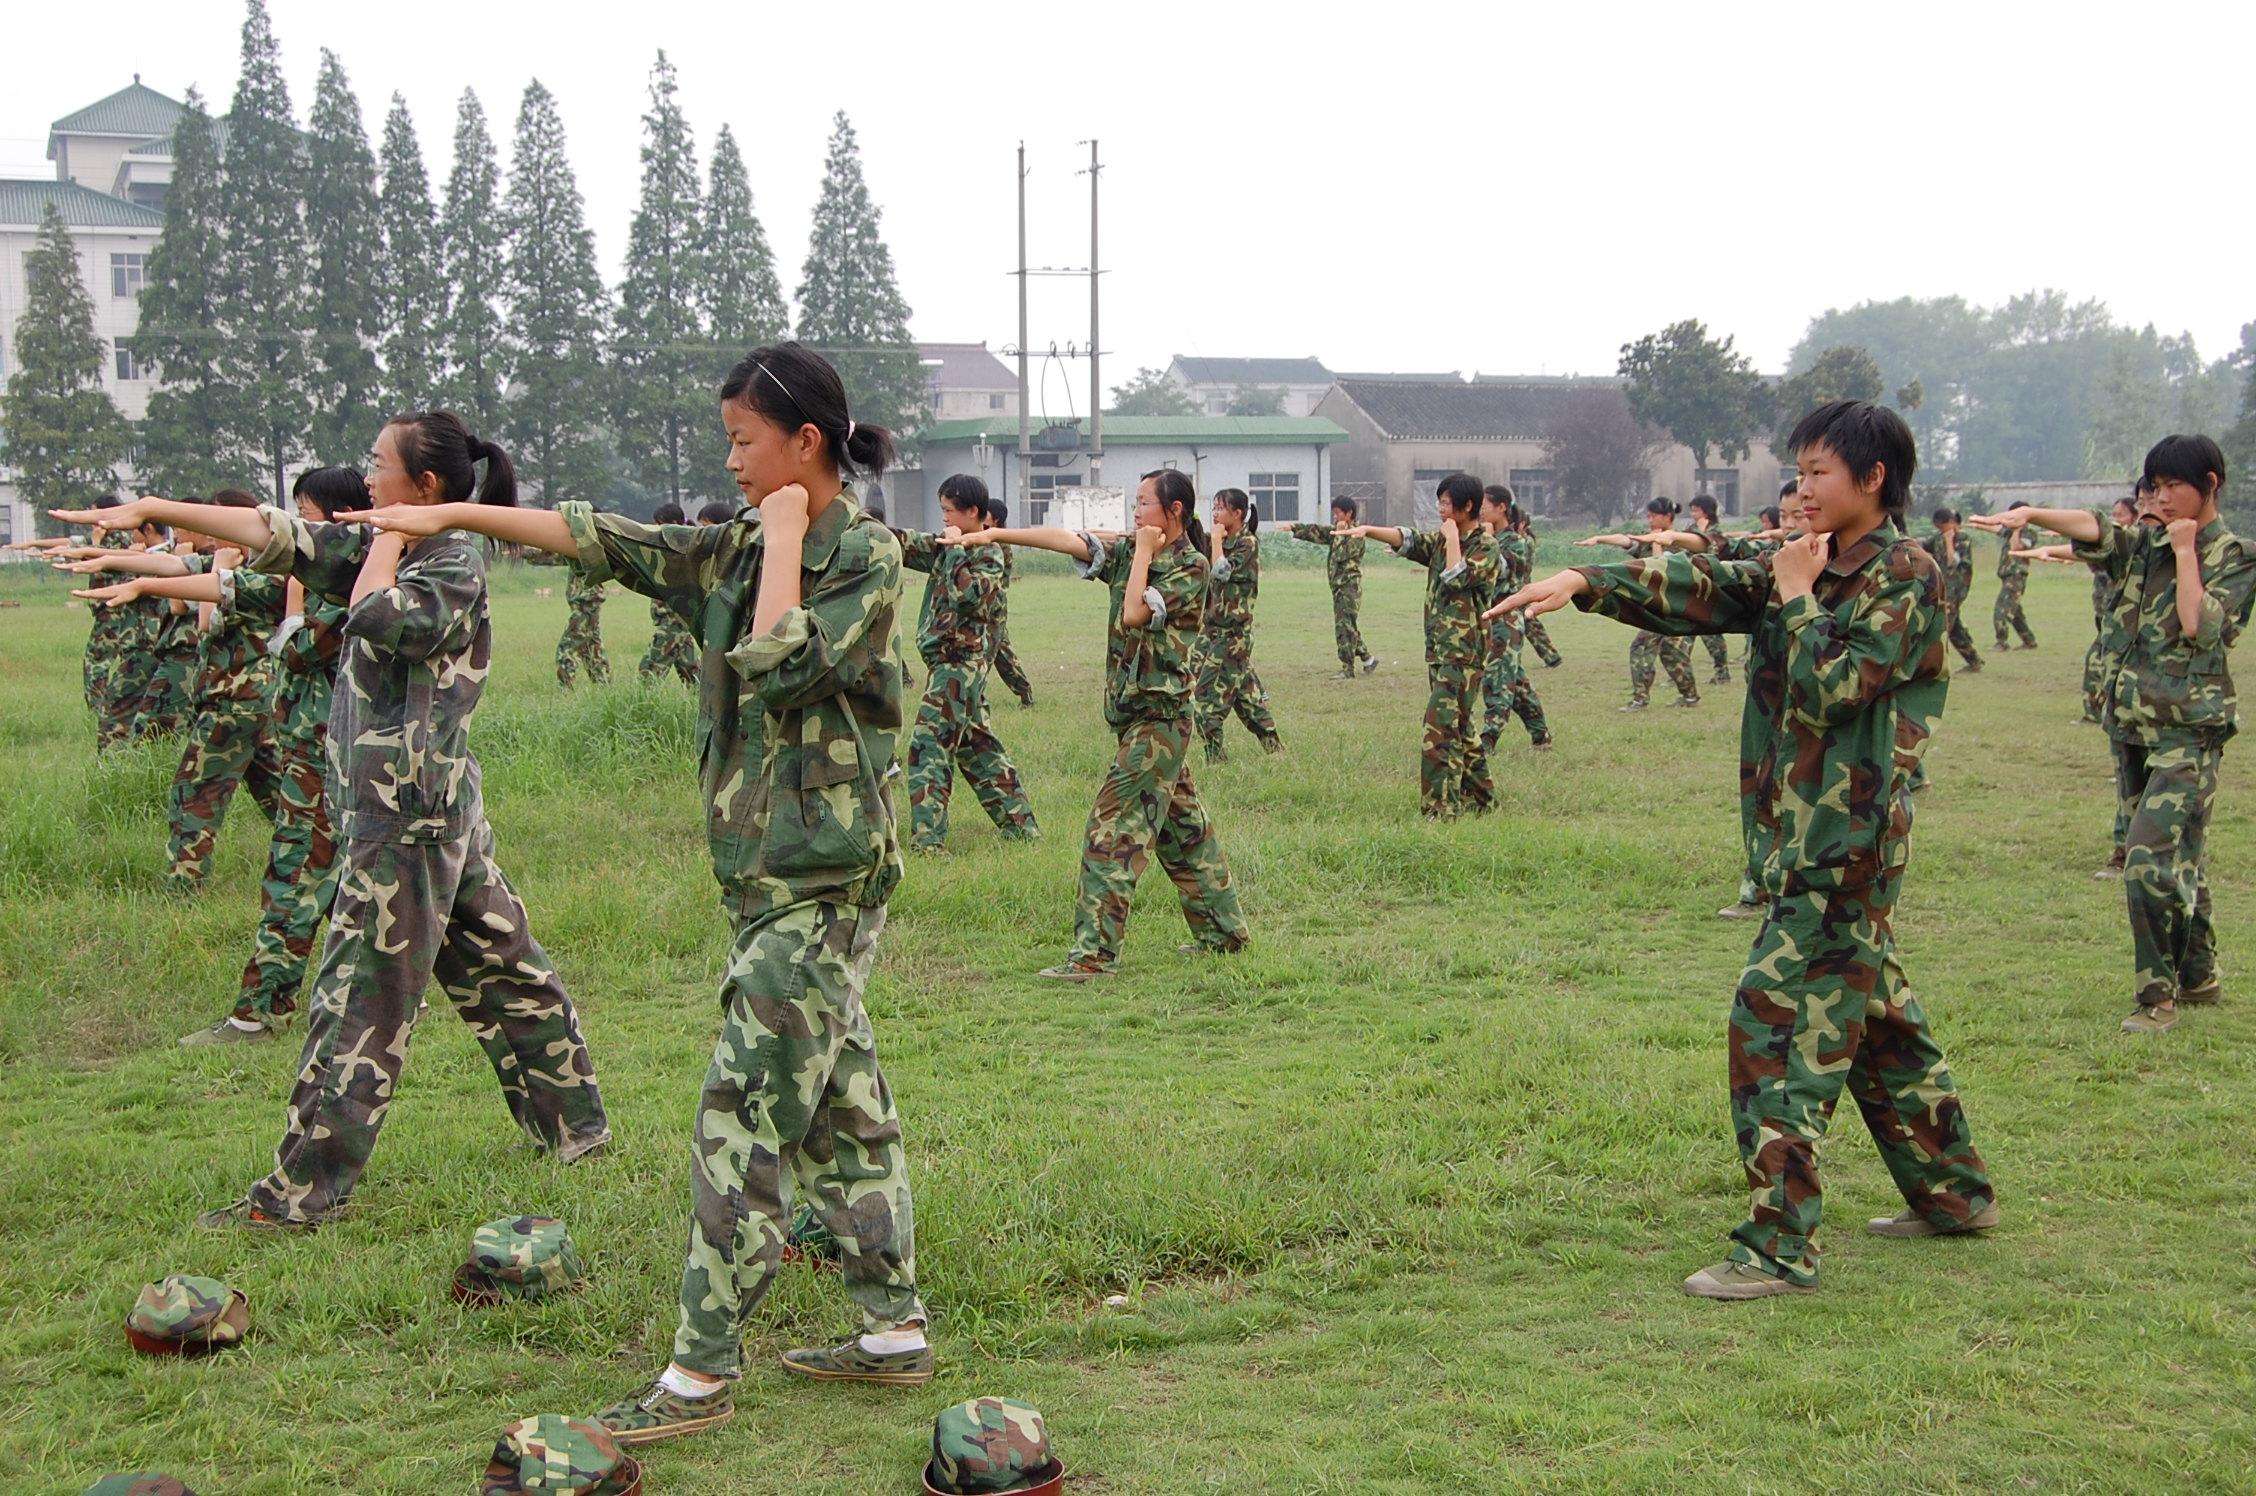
(1669, 507)
(963, 491)
(1462, 490)
(998, 512)
(2187, 459)
(1788, 486)
(668, 513)
(718, 512)
(1863, 434)
(1706, 505)
(1772, 516)
(1499, 493)
(1342, 501)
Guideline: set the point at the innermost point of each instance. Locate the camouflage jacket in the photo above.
(2009, 565)
(1002, 598)
(963, 590)
(1741, 547)
(409, 674)
(1343, 555)
(798, 729)
(1232, 585)
(305, 669)
(1148, 670)
(1455, 595)
(1958, 576)
(232, 667)
(1844, 689)
(2170, 690)
(1515, 559)
(582, 593)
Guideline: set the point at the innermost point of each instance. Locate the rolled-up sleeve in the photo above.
(670, 563)
(324, 557)
(430, 609)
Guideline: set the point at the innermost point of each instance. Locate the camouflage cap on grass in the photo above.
(992, 1444)
(185, 1315)
(519, 1257)
(143, 1484)
(552, 1453)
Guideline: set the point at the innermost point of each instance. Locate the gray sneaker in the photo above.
(657, 1412)
(225, 1032)
(1911, 1223)
(2203, 994)
(2152, 1020)
(1736, 1280)
(1740, 911)
(850, 1363)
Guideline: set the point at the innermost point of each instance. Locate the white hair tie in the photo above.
(849, 429)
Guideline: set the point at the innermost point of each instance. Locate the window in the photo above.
(1040, 489)
(1278, 494)
(994, 402)
(1535, 488)
(1722, 483)
(1218, 405)
(127, 273)
(128, 367)
(1425, 494)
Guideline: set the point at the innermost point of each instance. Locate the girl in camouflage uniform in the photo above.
(800, 688)
(671, 646)
(1147, 803)
(419, 894)
(1226, 680)
(1706, 520)
(1505, 687)
(1674, 655)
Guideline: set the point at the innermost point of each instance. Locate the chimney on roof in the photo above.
(136, 77)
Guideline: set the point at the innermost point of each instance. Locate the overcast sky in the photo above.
(1411, 187)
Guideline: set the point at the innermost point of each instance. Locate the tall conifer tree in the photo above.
(410, 278)
(737, 286)
(181, 436)
(472, 247)
(556, 313)
(849, 304)
(63, 433)
(664, 398)
(342, 237)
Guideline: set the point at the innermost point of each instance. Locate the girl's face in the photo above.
(1149, 511)
(388, 480)
(1832, 498)
(764, 457)
(966, 520)
(1657, 522)
(1495, 516)
(1229, 521)
(309, 511)
(2175, 499)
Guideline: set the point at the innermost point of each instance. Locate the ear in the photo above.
(1873, 482)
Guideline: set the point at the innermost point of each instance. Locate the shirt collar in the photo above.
(1860, 555)
(827, 529)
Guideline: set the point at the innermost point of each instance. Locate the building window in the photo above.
(994, 402)
(1425, 494)
(1535, 488)
(1041, 488)
(1218, 405)
(128, 367)
(127, 273)
(1722, 484)
(1278, 494)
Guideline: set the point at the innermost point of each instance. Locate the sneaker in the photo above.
(2112, 870)
(2204, 994)
(1720, 678)
(658, 1412)
(2152, 1020)
(1370, 664)
(850, 1363)
(1024, 702)
(1911, 1223)
(1686, 701)
(1544, 745)
(572, 1150)
(246, 1216)
(1633, 705)
(1201, 948)
(1740, 910)
(226, 1032)
(1736, 1280)
(1974, 668)
(1073, 971)
(1272, 745)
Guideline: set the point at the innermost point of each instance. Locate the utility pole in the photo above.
(1025, 431)
(1096, 360)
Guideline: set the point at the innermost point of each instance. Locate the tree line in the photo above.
(305, 286)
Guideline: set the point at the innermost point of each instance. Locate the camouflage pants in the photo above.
(161, 705)
(1347, 632)
(2006, 612)
(795, 1085)
(1453, 765)
(1009, 671)
(953, 731)
(404, 914)
(1824, 1003)
(1147, 803)
(300, 881)
(582, 645)
(671, 648)
(1718, 656)
(1506, 689)
(1674, 655)
(1960, 640)
(1226, 684)
(107, 695)
(1539, 640)
(2095, 680)
(232, 743)
(2168, 793)
(2126, 799)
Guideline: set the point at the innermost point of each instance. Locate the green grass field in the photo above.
(1400, 1197)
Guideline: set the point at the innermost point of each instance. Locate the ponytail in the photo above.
(791, 385)
(437, 441)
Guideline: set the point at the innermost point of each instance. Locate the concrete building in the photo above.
(1405, 436)
(968, 383)
(1284, 462)
(1214, 382)
(113, 162)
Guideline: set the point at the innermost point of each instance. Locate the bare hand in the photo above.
(1449, 529)
(408, 521)
(1797, 564)
(2182, 533)
(1547, 596)
(786, 506)
(1149, 538)
(953, 536)
(1354, 532)
(90, 566)
(227, 558)
(112, 595)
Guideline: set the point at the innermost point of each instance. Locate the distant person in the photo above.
(1948, 544)
(1505, 687)
(1227, 681)
(1707, 520)
(672, 646)
(1674, 654)
(2013, 580)
(581, 647)
(1343, 569)
(1538, 637)
(1008, 670)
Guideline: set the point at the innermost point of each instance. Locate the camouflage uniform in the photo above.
(2013, 579)
(161, 670)
(1343, 568)
(2170, 708)
(1538, 637)
(1224, 658)
(1846, 686)
(1505, 684)
(671, 647)
(418, 891)
(1007, 668)
(955, 636)
(1673, 654)
(300, 879)
(1718, 656)
(1453, 763)
(582, 643)
(232, 741)
(800, 729)
(1958, 582)
(1147, 802)
(109, 643)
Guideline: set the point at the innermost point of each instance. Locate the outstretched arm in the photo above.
(1033, 537)
(203, 587)
(140, 563)
(542, 529)
(2076, 524)
(239, 527)
(1386, 535)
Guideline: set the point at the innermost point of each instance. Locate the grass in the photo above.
(1399, 1198)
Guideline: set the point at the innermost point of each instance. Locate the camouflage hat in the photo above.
(185, 1315)
(552, 1453)
(142, 1484)
(992, 1444)
(519, 1257)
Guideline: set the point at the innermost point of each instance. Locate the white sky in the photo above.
(1404, 186)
